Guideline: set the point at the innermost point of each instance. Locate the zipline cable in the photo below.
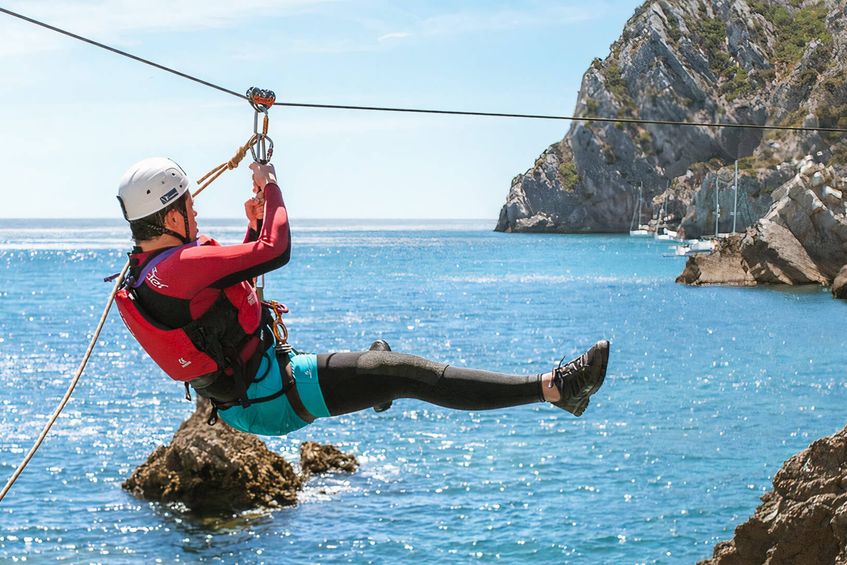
(424, 110)
(71, 387)
(553, 117)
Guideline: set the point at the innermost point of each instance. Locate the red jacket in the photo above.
(165, 310)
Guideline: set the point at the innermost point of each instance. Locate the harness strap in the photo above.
(289, 388)
(289, 385)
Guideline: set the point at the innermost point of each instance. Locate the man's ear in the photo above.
(173, 221)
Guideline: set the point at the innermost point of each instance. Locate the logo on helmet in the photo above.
(172, 193)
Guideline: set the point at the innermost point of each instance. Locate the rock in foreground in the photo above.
(803, 520)
(216, 469)
(801, 240)
(316, 459)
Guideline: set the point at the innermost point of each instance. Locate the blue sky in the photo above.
(75, 117)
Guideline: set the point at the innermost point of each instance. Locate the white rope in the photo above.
(71, 387)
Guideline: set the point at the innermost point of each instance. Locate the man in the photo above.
(192, 305)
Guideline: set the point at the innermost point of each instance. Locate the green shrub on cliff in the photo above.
(568, 176)
(614, 80)
(795, 30)
(738, 84)
(713, 33)
(833, 116)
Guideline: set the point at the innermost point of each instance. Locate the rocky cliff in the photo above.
(801, 240)
(803, 520)
(775, 62)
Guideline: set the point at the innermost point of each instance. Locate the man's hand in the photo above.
(255, 209)
(262, 175)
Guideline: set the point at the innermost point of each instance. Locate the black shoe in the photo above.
(577, 380)
(381, 345)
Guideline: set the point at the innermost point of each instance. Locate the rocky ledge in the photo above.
(803, 520)
(218, 470)
(801, 240)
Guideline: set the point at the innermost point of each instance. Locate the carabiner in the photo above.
(278, 327)
(263, 146)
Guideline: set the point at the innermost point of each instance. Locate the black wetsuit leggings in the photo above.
(359, 380)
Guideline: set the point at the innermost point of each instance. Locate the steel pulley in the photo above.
(262, 147)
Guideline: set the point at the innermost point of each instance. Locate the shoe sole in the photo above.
(602, 348)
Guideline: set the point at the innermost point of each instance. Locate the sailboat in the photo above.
(636, 228)
(662, 231)
(697, 246)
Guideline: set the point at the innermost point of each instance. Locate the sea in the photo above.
(709, 391)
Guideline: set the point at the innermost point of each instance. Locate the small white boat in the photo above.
(642, 231)
(666, 234)
(695, 247)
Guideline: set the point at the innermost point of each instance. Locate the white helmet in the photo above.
(150, 185)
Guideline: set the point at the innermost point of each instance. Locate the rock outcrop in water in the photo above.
(801, 240)
(729, 61)
(803, 520)
(218, 470)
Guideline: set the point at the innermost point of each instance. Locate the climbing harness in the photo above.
(283, 351)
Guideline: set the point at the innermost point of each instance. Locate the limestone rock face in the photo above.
(723, 61)
(216, 469)
(803, 520)
(801, 240)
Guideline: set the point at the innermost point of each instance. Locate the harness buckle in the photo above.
(213, 417)
(278, 326)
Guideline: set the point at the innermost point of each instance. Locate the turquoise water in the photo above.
(709, 391)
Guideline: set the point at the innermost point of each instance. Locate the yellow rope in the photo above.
(212, 175)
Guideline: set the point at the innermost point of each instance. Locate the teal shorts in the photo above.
(276, 417)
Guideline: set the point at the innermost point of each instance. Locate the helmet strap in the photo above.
(184, 212)
(162, 230)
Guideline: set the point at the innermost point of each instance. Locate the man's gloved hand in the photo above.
(262, 175)
(255, 207)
